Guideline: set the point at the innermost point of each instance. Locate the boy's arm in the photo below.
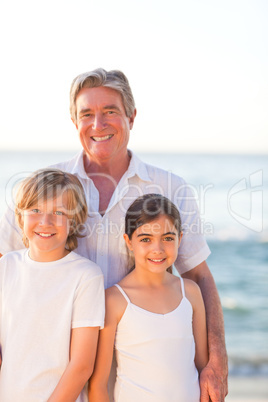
(98, 384)
(213, 378)
(83, 348)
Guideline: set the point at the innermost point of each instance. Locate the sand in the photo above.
(247, 389)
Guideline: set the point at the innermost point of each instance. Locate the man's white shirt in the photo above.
(103, 242)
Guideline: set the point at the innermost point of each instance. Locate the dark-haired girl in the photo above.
(154, 319)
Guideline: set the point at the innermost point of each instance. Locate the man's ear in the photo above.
(132, 118)
(75, 123)
(128, 242)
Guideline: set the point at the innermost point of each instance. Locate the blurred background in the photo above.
(199, 75)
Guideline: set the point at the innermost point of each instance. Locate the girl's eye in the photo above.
(145, 240)
(168, 238)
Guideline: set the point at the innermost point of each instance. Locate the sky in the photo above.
(198, 70)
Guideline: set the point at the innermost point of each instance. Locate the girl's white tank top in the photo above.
(155, 355)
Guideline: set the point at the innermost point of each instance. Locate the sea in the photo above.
(232, 194)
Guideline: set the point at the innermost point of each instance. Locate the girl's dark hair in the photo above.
(147, 208)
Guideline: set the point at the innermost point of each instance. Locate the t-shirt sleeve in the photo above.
(10, 233)
(89, 302)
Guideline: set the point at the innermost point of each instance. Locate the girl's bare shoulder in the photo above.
(192, 290)
(115, 303)
(113, 295)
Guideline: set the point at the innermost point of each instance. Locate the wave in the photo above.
(231, 304)
(227, 234)
(239, 366)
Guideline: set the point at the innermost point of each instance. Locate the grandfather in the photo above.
(103, 110)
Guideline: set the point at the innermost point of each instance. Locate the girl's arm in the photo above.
(199, 324)
(98, 384)
(82, 356)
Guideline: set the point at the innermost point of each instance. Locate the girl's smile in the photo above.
(155, 245)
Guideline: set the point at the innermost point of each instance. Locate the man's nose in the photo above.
(99, 122)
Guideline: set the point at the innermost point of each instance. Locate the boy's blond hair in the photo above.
(47, 184)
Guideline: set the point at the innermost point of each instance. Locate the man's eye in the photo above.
(85, 116)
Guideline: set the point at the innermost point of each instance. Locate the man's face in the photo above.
(102, 124)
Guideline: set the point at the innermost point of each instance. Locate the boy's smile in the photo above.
(46, 226)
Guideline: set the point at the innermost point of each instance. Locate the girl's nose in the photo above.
(158, 247)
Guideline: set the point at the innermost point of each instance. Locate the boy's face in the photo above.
(46, 225)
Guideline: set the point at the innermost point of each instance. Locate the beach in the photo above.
(248, 389)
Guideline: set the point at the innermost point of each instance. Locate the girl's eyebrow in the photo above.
(169, 233)
(149, 234)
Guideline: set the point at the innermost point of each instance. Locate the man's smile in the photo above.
(99, 139)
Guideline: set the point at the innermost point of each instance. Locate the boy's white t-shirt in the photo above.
(40, 302)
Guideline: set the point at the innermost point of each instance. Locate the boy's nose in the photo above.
(46, 219)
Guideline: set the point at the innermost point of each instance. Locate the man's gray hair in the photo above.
(114, 79)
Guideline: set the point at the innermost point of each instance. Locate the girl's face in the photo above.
(155, 244)
(46, 225)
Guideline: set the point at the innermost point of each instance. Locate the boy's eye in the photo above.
(36, 211)
(58, 213)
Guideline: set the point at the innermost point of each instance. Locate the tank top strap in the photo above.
(122, 292)
(182, 287)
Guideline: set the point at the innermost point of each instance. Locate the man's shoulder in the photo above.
(157, 173)
(68, 165)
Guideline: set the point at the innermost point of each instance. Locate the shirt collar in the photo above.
(78, 165)
(136, 167)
